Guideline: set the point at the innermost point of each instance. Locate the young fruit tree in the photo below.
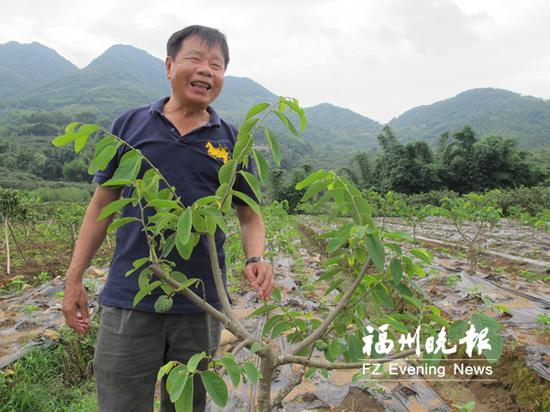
(472, 215)
(370, 272)
(13, 207)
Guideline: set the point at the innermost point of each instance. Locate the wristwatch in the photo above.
(254, 259)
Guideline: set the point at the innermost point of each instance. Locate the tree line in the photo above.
(460, 162)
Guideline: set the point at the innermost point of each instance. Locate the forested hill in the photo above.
(121, 77)
(35, 78)
(486, 110)
(26, 66)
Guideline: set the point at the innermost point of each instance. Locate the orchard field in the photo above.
(435, 302)
(504, 274)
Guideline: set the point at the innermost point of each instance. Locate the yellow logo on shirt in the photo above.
(219, 152)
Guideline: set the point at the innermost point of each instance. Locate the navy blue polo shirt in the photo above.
(191, 165)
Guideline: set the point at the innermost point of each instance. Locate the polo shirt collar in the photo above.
(159, 105)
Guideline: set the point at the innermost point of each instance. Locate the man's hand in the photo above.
(75, 307)
(260, 277)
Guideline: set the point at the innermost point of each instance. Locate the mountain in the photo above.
(335, 126)
(238, 95)
(486, 110)
(122, 77)
(26, 66)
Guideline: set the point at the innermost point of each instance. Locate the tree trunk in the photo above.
(263, 397)
(7, 233)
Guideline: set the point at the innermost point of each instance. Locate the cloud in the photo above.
(378, 58)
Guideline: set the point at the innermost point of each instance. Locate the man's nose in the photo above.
(205, 70)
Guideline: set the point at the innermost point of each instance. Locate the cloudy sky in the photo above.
(378, 58)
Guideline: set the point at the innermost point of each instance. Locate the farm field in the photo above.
(511, 284)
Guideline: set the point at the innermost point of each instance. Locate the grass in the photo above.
(58, 378)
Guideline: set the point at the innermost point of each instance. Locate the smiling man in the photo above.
(188, 142)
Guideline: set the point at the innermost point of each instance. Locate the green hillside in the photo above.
(27, 66)
(124, 76)
(487, 111)
(121, 77)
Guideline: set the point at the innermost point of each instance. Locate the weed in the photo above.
(531, 276)
(30, 308)
(43, 277)
(452, 279)
(544, 320)
(54, 379)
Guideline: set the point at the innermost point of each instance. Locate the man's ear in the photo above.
(168, 63)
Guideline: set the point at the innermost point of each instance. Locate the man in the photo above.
(183, 136)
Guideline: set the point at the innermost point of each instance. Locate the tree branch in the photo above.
(220, 289)
(317, 333)
(229, 324)
(316, 363)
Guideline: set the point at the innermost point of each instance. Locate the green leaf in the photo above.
(313, 177)
(396, 271)
(176, 381)
(314, 188)
(258, 108)
(309, 373)
(253, 183)
(273, 146)
(376, 251)
(482, 321)
(116, 223)
(104, 142)
(163, 304)
(261, 165)
(248, 200)
(276, 294)
(163, 203)
(381, 294)
(63, 139)
(194, 360)
(165, 369)
(280, 328)
(263, 309)
(496, 347)
(251, 372)
(334, 348)
(101, 161)
(412, 268)
(184, 226)
(246, 127)
(145, 291)
(228, 362)
(113, 207)
(422, 254)
(457, 330)
(216, 387)
(355, 348)
(256, 346)
(185, 401)
(136, 264)
(272, 321)
(227, 170)
(244, 141)
(82, 135)
(127, 171)
(286, 121)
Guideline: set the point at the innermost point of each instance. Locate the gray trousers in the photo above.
(133, 345)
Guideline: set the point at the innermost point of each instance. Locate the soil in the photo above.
(518, 386)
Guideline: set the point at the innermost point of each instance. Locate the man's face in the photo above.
(197, 72)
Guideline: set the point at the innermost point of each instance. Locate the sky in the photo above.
(377, 58)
